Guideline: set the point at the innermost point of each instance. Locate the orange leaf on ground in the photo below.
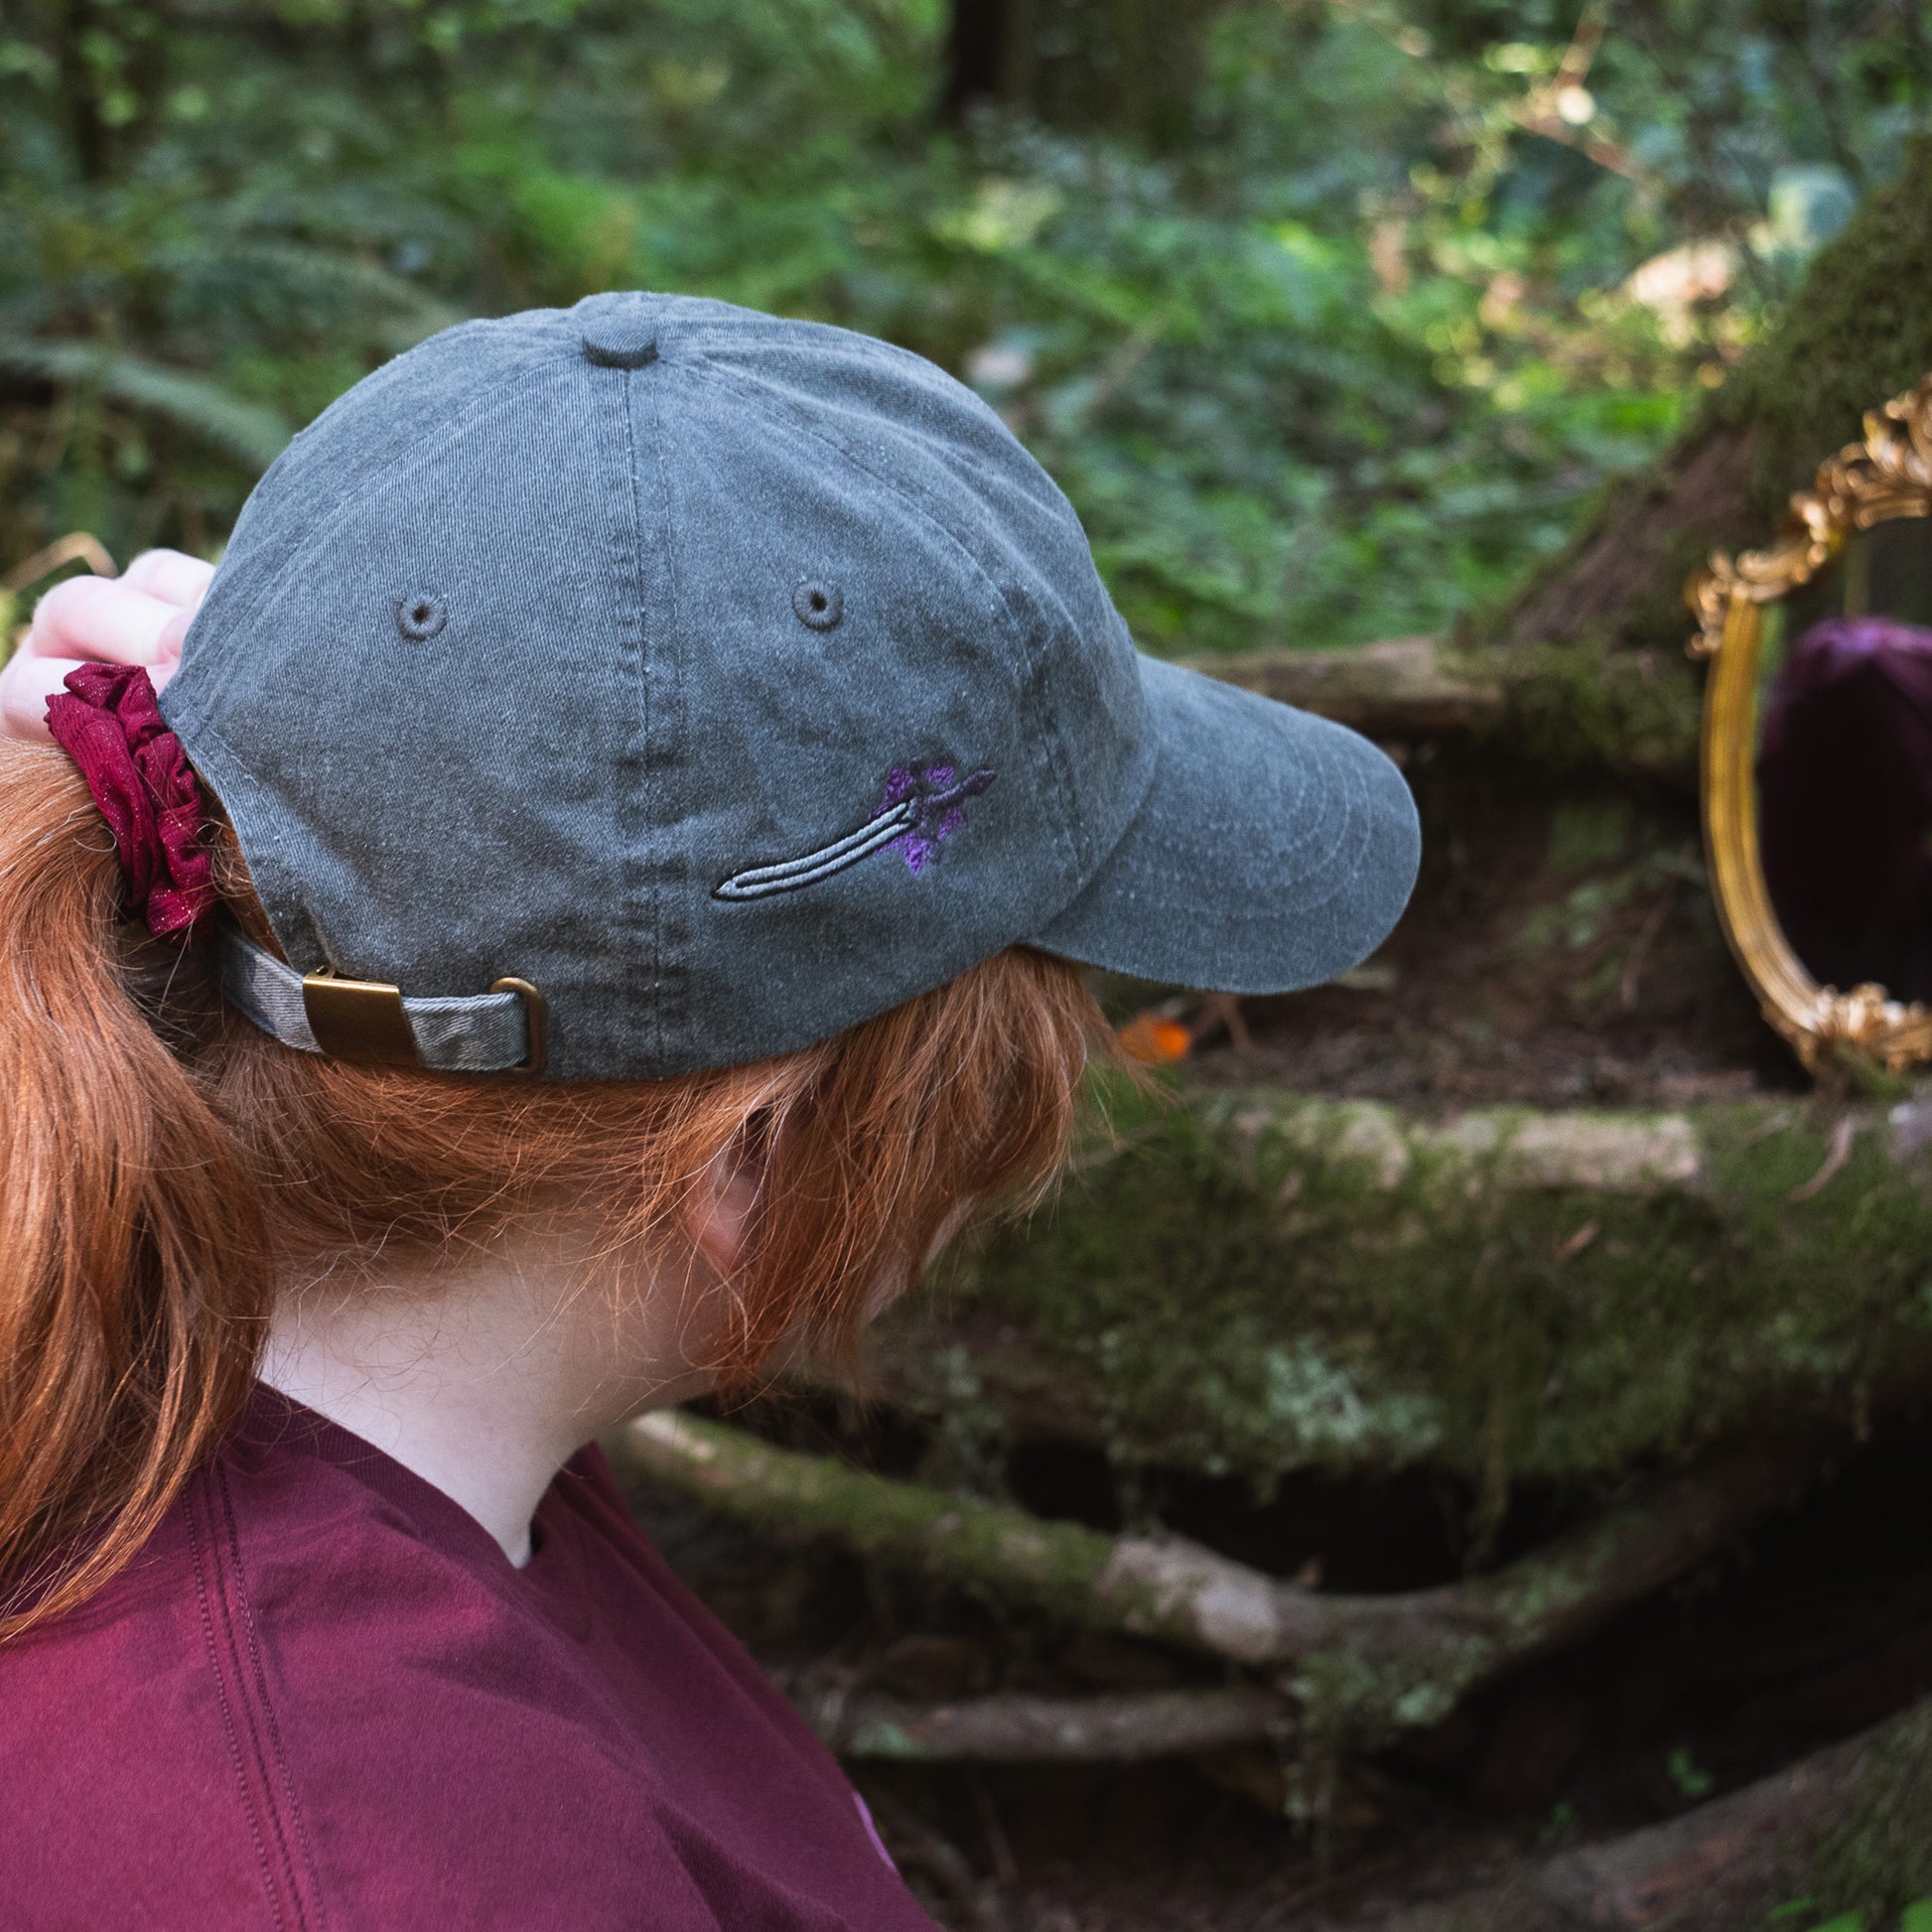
(1153, 1039)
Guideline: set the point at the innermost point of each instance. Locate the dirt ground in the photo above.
(1559, 952)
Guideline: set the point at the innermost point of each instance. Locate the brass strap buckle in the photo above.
(364, 1022)
(358, 1020)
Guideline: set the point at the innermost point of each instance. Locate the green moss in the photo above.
(1879, 1861)
(1859, 330)
(1257, 1283)
(1588, 706)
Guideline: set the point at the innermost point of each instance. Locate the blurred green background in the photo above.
(1329, 315)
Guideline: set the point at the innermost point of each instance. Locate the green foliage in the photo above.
(1691, 1782)
(1330, 334)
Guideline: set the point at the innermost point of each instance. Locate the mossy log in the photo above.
(1373, 1665)
(1248, 1284)
(1403, 687)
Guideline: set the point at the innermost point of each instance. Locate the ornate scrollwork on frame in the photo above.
(1888, 475)
(1885, 476)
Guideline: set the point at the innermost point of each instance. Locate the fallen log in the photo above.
(1564, 708)
(1248, 1282)
(1374, 1664)
(1403, 687)
(1506, 1149)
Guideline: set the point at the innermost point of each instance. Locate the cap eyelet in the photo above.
(819, 604)
(420, 617)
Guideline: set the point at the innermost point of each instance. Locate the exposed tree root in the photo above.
(1404, 687)
(1375, 1664)
(1633, 711)
(1017, 1729)
(1723, 1863)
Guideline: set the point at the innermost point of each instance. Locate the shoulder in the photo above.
(435, 1747)
(297, 1707)
(124, 1804)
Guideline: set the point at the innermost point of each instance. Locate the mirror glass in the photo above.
(1844, 762)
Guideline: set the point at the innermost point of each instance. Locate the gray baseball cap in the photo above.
(688, 684)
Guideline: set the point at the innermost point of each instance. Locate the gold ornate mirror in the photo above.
(1817, 755)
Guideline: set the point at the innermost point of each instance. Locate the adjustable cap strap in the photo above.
(498, 1032)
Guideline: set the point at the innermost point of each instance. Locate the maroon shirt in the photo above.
(323, 1697)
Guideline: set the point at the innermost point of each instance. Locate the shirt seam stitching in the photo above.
(271, 1808)
(267, 1705)
(249, 1806)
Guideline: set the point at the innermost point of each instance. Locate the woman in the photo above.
(602, 900)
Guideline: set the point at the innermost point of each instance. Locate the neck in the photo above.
(482, 1379)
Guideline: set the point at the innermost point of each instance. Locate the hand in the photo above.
(137, 617)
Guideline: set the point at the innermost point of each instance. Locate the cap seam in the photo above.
(285, 885)
(699, 330)
(641, 906)
(662, 635)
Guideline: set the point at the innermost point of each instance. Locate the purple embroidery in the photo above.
(936, 805)
(924, 803)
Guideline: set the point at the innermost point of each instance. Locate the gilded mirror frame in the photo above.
(1887, 474)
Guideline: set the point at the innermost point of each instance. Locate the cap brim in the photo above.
(1273, 850)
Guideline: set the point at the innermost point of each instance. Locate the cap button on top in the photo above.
(621, 341)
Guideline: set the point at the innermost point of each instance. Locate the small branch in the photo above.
(1381, 1662)
(80, 547)
(916, 1843)
(1837, 1153)
(1015, 1729)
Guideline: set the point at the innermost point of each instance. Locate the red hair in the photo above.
(165, 1163)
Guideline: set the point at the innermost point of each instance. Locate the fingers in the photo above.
(24, 687)
(108, 620)
(102, 620)
(170, 575)
(27, 682)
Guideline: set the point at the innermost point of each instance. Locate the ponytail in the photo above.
(133, 1266)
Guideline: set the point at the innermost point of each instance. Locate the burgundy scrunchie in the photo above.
(147, 792)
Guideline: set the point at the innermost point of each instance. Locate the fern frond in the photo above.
(250, 432)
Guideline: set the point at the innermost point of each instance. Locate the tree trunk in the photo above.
(1122, 67)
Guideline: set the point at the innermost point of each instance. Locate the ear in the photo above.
(718, 1221)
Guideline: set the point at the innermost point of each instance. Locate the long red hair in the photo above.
(163, 1164)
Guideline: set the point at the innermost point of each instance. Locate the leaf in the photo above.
(248, 431)
(1155, 1040)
